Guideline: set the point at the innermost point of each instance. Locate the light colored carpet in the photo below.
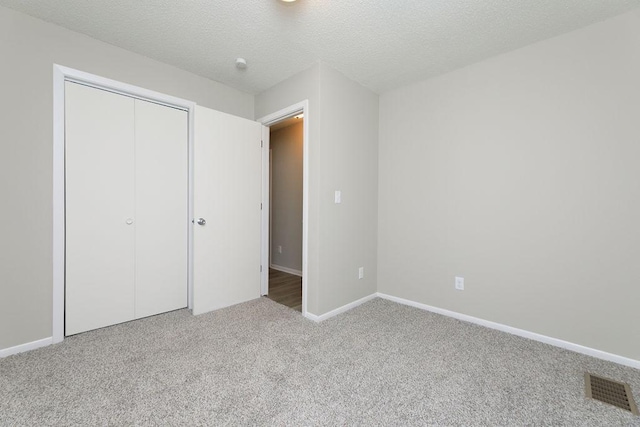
(260, 363)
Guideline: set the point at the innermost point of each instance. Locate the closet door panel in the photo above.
(99, 168)
(161, 153)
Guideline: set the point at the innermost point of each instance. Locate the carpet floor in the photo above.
(260, 363)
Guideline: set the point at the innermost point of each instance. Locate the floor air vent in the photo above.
(611, 392)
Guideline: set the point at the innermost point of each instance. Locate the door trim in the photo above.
(268, 120)
(62, 74)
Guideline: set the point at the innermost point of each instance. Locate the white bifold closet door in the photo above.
(228, 192)
(126, 167)
(162, 202)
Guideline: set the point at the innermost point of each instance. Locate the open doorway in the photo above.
(285, 225)
(285, 211)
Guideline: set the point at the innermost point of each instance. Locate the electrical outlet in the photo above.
(361, 273)
(459, 282)
(337, 198)
(279, 249)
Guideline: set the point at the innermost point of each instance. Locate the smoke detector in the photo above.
(241, 64)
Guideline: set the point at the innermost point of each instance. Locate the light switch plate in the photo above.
(338, 197)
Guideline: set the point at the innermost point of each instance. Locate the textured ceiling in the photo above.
(382, 44)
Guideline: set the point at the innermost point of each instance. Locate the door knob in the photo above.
(201, 221)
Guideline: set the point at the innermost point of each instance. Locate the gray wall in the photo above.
(349, 163)
(520, 173)
(343, 127)
(29, 49)
(286, 196)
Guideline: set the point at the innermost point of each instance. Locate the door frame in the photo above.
(268, 120)
(62, 74)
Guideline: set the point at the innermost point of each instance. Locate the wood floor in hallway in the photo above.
(285, 289)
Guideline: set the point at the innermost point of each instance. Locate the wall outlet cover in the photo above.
(459, 282)
(361, 273)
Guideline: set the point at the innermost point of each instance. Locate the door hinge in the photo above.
(261, 143)
(260, 269)
(260, 206)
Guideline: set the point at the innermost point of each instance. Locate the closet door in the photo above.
(161, 181)
(99, 168)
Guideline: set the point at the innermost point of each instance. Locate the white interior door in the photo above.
(161, 208)
(227, 195)
(99, 173)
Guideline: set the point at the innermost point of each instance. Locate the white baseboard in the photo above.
(286, 270)
(340, 310)
(25, 347)
(599, 354)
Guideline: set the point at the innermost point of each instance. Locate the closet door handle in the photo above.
(202, 221)
(129, 221)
